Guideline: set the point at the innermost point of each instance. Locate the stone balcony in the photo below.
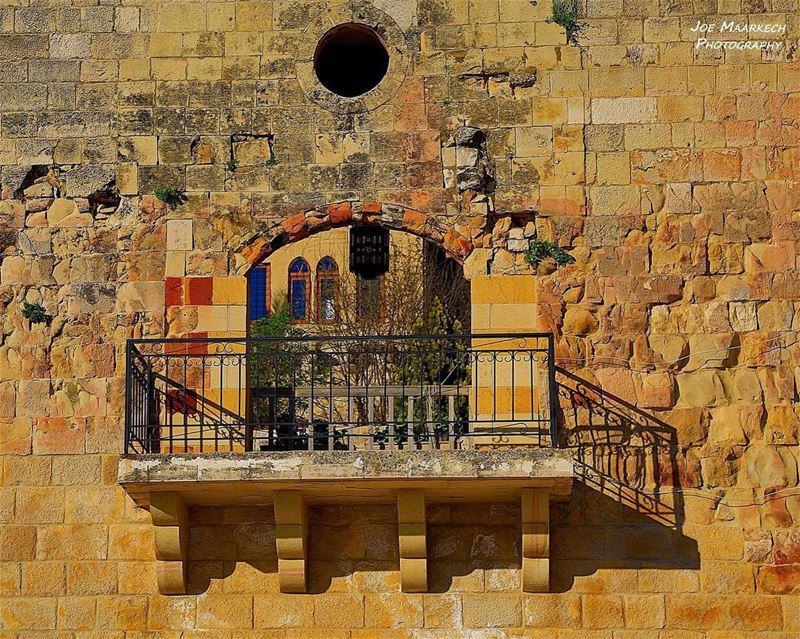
(292, 423)
(292, 481)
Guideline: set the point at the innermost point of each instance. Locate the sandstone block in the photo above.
(657, 391)
(180, 235)
(15, 436)
(442, 611)
(579, 321)
(728, 427)
(770, 468)
(700, 389)
(602, 611)
(393, 610)
(41, 505)
(94, 504)
(756, 614)
(492, 610)
(696, 612)
(623, 110)
(225, 611)
(33, 398)
(552, 611)
(711, 350)
(16, 269)
(59, 436)
(9, 579)
(76, 613)
(727, 578)
(339, 611)
(783, 425)
(776, 315)
(283, 611)
(743, 316)
(71, 542)
(140, 296)
(91, 577)
(26, 471)
(779, 580)
(64, 213)
(18, 542)
(29, 613)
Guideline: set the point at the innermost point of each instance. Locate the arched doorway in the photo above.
(347, 367)
(313, 285)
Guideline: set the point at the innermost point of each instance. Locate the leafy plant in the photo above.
(231, 165)
(539, 250)
(272, 161)
(277, 368)
(170, 196)
(34, 313)
(567, 13)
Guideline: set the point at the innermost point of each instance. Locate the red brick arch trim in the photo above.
(395, 217)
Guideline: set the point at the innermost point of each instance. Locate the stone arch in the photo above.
(394, 217)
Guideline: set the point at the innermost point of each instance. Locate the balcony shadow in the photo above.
(231, 543)
(626, 510)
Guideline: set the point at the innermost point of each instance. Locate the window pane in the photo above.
(299, 265)
(327, 265)
(299, 297)
(327, 299)
(258, 294)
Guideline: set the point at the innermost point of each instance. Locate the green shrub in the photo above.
(34, 313)
(170, 196)
(567, 13)
(539, 250)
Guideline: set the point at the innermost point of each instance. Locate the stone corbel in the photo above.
(413, 541)
(291, 540)
(171, 527)
(535, 540)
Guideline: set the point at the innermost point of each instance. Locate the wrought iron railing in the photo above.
(339, 393)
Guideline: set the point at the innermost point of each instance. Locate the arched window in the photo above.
(299, 289)
(327, 291)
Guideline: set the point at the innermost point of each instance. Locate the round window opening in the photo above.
(350, 60)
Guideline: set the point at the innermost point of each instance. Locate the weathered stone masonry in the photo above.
(670, 173)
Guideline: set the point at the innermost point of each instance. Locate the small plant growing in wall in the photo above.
(272, 161)
(170, 196)
(231, 165)
(567, 14)
(34, 313)
(540, 251)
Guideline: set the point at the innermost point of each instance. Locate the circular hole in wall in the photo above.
(351, 59)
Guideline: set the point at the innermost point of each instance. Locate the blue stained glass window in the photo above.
(258, 293)
(299, 265)
(299, 300)
(299, 285)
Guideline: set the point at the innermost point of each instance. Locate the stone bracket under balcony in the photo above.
(291, 481)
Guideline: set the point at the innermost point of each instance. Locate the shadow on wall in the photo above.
(626, 510)
(625, 513)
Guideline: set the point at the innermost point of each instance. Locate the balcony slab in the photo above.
(290, 481)
(349, 476)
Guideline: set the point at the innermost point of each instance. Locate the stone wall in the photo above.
(669, 172)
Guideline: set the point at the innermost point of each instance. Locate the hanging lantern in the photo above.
(369, 251)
